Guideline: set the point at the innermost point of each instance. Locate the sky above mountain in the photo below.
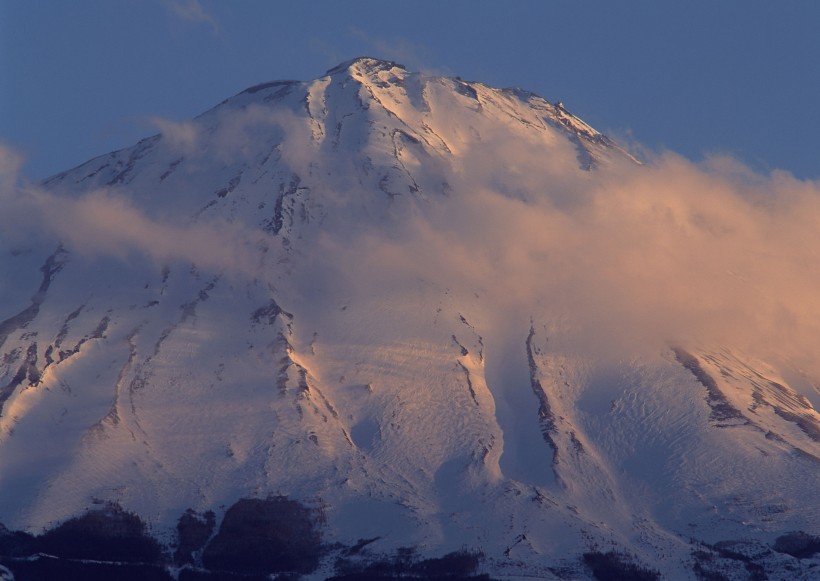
(734, 77)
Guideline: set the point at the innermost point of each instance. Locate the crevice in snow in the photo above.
(50, 268)
(722, 411)
(546, 418)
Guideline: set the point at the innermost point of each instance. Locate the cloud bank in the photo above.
(668, 252)
(672, 251)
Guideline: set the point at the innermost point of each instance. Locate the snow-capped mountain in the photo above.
(277, 298)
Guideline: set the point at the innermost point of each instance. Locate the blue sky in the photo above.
(740, 77)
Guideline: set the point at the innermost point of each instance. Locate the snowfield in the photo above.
(279, 298)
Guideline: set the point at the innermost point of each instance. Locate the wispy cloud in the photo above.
(181, 136)
(10, 164)
(192, 11)
(104, 222)
(236, 135)
(411, 54)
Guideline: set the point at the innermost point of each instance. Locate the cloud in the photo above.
(406, 52)
(102, 223)
(192, 11)
(673, 251)
(235, 135)
(105, 222)
(10, 164)
(182, 136)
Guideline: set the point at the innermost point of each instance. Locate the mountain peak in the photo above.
(397, 295)
(365, 65)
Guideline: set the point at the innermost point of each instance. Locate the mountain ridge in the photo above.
(322, 290)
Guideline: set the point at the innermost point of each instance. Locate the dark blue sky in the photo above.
(741, 77)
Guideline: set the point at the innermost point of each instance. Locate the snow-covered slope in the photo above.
(271, 325)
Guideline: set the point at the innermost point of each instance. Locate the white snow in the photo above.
(406, 406)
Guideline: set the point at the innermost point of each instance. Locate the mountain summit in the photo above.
(361, 295)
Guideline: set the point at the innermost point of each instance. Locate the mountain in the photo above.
(342, 297)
